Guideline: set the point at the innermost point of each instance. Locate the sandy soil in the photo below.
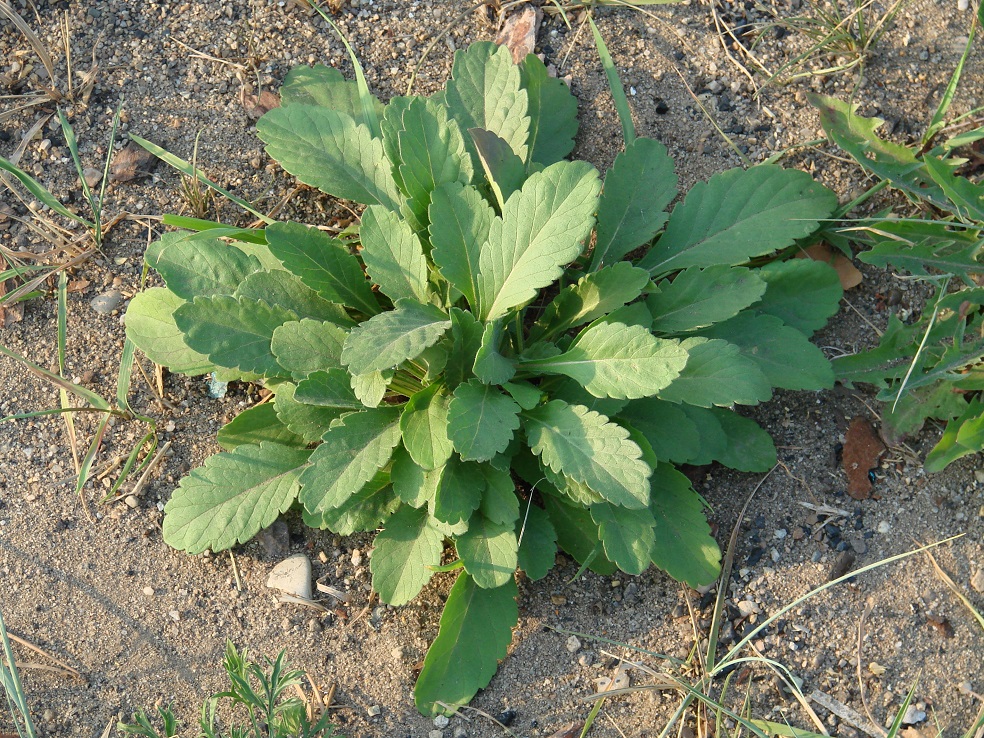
(95, 585)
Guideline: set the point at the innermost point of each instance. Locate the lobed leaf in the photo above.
(403, 554)
(488, 551)
(362, 512)
(354, 449)
(393, 255)
(667, 428)
(481, 421)
(233, 497)
(327, 149)
(697, 298)
(749, 448)
(328, 388)
(802, 293)
(305, 346)
(577, 534)
(150, 324)
(627, 535)
(425, 427)
(283, 289)
(255, 425)
(504, 171)
(553, 113)
(308, 421)
(542, 228)
(537, 542)
(459, 493)
(638, 187)
(460, 220)
(475, 632)
(327, 88)
(590, 449)
(717, 373)
(491, 366)
(388, 339)
(740, 214)
(415, 486)
(323, 263)
(199, 267)
(616, 360)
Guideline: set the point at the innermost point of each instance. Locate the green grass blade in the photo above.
(13, 689)
(62, 333)
(86, 466)
(131, 460)
(54, 411)
(125, 375)
(937, 123)
(91, 397)
(615, 85)
(215, 230)
(73, 147)
(187, 169)
(40, 193)
(365, 96)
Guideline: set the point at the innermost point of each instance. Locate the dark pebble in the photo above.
(727, 635)
(506, 717)
(780, 31)
(833, 531)
(755, 556)
(678, 55)
(759, 522)
(724, 104)
(140, 35)
(858, 524)
(706, 600)
(869, 534)
(842, 545)
(661, 107)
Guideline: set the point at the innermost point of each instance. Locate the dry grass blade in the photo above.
(7, 11)
(953, 586)
(62, 666)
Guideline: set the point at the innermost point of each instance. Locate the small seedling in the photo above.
(256, 690)
(13, 690)
(932, 367)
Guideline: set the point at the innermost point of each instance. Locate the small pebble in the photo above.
(48, 716)
(781, 533)
(460, 731)
(375, 711)
(149, 591)
(586, 659)
(977, 581)
(131, 501)
(962, 5)
(441, 721)
(175, 615)
(747, 607)
(356, 557)
(91, 176)
(397, 653)
(573, 645)
(107, 302)
(913, 715)
(884, 527)
(436, 734)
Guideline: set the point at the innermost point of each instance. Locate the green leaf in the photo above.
(286, 290)
(328, 388)
(717, 374)
(354, 449)
(950, 448)
(460, 492)
(361, 512)
(255, 425)
(490, 365)
(889, 161)
(481, 421)
(526, 395)
(616, 360)
(574, 394)
(927, 257)
(460, 220)
(304, 346)
(802, 293)
(906, 417)
(432, 154)
(466, 340)
(415, 486)
(577, 534)
(199, 267)
(234, 332)
(626, 534)
(785, 356)
(232, 497)
(388, 339)
(488, 551)
(328, 150)
(499, 502)
(749, 448)
(739, 214)
(484, 92)
(713, 441)
(323, 263)
(403, 553)
(504, 171)
(476, 630)
(371, 387)
(589, 449)
(672, 435)
(307, 421)
(697, 298)
(424, 424)
(541, 229)
(537, 542)
(325, 87)
(684, 547)
(151, 326)
(594, 296)
(393, 255)
(638, 187)
(553, 113)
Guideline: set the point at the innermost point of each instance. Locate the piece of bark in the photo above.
(256, 105)
(862, 449)
(131, 163)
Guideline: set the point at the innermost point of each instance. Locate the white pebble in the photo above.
(884, 527)
(963, 5)
(573, 644)
(375, 711)
(441, 721)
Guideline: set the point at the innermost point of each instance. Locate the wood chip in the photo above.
(131, 163)
(518, 33)
(862, 448)
(942, 625)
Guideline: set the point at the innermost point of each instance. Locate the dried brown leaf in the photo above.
(849, 275)
(862, 449)
(256, 105)
(518, 33)
(941, 624)
(131, 163)
(568, 731)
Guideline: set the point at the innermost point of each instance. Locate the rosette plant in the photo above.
(479, 372)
